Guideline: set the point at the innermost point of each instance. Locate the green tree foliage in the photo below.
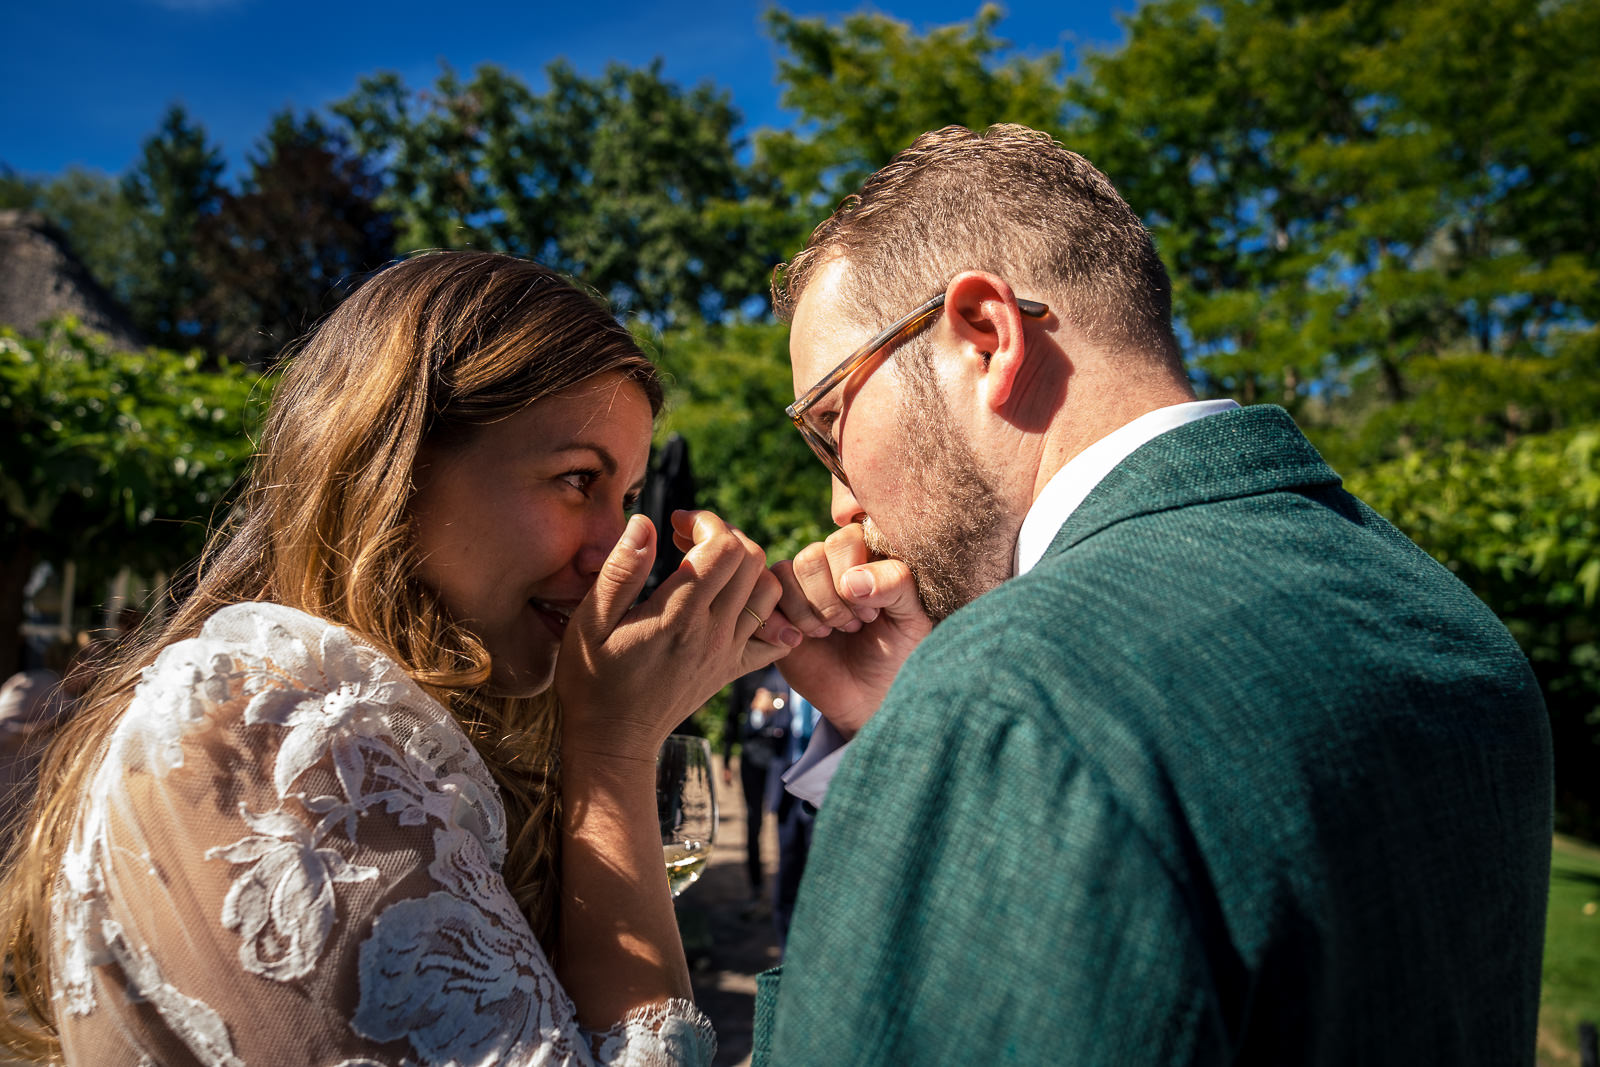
(461, 164)
(1344, 188)
(175, 184)
(1521, 526)
(302, 231)
(864, 89)
(626, 180)
(15, 190)
(660, 223)
(727, 387)
(128, 454)
(1468, 397)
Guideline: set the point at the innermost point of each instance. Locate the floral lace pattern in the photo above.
(290, 853)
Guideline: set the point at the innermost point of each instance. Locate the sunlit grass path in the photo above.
(1571, 952)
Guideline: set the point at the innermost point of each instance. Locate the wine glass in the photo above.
(686, 801)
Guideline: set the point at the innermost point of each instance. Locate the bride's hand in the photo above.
(627, 675)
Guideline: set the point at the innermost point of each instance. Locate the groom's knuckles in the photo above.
(814, 577)
(846, 547)
(792, 601)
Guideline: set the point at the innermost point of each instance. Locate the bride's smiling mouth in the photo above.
(553, 615)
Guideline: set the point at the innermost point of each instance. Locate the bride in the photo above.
(381, 790)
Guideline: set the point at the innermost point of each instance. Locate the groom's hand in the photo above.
(861, 618)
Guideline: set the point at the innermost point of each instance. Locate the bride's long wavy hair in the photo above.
(424, 351)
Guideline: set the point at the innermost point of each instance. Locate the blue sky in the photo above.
(88, 80)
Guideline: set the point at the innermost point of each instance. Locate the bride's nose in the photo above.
(600, 535)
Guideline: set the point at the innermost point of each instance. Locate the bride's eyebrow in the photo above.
(602, 454)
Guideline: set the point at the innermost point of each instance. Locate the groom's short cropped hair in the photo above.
(1011, 201)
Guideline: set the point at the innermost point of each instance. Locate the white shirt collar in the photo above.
(1068, 487)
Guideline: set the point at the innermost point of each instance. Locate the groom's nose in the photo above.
(845, 508)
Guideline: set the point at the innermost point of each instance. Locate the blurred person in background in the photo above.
(795, 816)
(33, 702)
(759, 733)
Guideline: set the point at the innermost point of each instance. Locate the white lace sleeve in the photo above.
(291, 854)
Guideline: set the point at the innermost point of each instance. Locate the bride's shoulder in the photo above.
(266, 642)
(283, 692)
(264, 663)
(258, 624)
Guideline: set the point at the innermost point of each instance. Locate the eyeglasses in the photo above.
(819, 433)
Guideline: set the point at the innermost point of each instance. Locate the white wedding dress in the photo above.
(290, 854)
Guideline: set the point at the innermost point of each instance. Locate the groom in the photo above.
(1204, 762)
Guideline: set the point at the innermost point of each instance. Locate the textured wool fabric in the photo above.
(1237, 774)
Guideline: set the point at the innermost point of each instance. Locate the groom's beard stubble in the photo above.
(952, 532)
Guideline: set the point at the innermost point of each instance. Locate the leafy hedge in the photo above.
(116, 458)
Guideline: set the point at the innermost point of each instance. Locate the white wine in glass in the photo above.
(686, 801)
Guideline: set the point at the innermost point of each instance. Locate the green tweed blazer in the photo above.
(1236, 775)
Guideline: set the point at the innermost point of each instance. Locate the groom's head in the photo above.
(1004, 267)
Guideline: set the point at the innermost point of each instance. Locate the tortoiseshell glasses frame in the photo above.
(819, 436)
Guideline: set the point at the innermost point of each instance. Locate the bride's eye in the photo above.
(581, 480)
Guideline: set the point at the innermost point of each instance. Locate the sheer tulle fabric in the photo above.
(291, 854)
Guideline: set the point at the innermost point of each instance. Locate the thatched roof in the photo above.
(40, 279)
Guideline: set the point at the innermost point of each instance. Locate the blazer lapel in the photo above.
(1234, 454)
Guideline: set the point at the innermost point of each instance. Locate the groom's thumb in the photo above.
(886, 584)
(623, 575)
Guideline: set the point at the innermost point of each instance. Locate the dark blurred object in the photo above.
(758, 725)
(670, 488)
(1588, 1046)
(33, 703)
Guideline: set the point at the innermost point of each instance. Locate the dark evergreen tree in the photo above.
(300, 234)
(175, 185)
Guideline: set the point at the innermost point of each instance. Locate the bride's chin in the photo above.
(514, 691)
(527, 670)
(512, 684)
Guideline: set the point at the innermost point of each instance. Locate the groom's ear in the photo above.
(981, 311)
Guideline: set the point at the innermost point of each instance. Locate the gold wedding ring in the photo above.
(761, 624)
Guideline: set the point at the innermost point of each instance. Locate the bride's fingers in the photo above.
(716, 545)
(713, 559)
(755, 617)
(690, 528)
(778, 630)
(742, 590)
(749, 595)
(769, 644)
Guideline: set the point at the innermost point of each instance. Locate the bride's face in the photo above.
(513, 525)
